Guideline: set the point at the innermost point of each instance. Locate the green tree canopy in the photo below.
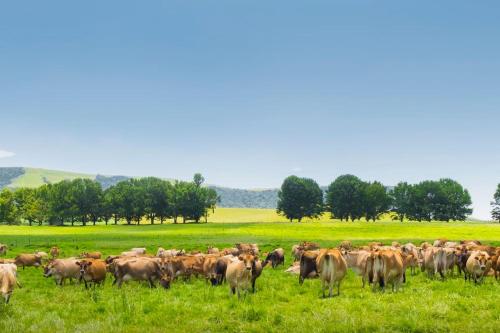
(299, 198)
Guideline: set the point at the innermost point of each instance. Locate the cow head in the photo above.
(165, 281)
(248, 260)
(482, 260)
(84, 266)
(48, 270)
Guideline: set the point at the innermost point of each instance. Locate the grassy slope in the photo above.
(35, 177)
(279, 305)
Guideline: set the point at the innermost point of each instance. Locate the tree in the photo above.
(376, 200)
(124, 198)
(345, 197)
(25, 202)
(8, 210)
(495, 213)
(455, 202)
(156, 193)
(86, 199)
(299, 198)
(402, 200)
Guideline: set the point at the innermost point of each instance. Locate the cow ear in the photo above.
(90, 263)
(240, 257)
(77, 263)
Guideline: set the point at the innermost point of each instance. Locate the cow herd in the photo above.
(239, 267)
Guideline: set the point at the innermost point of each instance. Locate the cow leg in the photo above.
(7, 298)
(151, 283)
(338, 288)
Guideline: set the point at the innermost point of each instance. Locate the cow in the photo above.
(434, 261)
(387, 268)
(496, 267)
(7, 261)
(478, 265)
(345, 245)
(491, 250)
(162, 253)
(308, 265)
(239, 274)
(138, 250)
(212, 250)
(230, 251)
(221, 267)
(469, 241)
(3, 249)
(276, 257)
(141, 269)
(247, 248)
(439, 242)
(256, 272)
(374, 245)
(297, 251)
(42, 255)
(8, 280)
(62, 269)
(411, 261)
(54, 252)
(359, 261)
(332, 268)
(92, 271)
(91, 255)
(462, 255)
(209, 269)
(28, 260)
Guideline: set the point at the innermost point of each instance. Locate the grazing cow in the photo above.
(54, 252)
(27, 260)
(3, 249)
(359, 261)
(212, 250)
(141, 269)
(297, 251)
(239, 273)
(7, 261)
(8, 280)
(42, 255)
(162, 253)
(451, 244)
(129, 254)
(91, 255)
(387, 268)
(308, 265)
(92, 271)
(469, 241)
(276, 257)
(332, 268)
(62, 269)
(478, 265)
(375, 245)
(425, 245)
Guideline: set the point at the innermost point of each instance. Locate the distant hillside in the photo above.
(230, 197)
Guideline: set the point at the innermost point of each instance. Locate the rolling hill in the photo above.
(14, 177)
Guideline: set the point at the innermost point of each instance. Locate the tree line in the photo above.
(85, 201)
(350, 198)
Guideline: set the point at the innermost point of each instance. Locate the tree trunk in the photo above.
(175, 219)
(152, 219)
(30, 222)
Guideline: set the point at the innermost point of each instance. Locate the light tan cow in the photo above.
(359, 262)
(478, 265)
(212, 250)
(8, 280)
(248, 248)
(62, 269)
(332, 269)
(239, 274)
(209, 268)
(54, 252)
(387, 268)
(140, 269)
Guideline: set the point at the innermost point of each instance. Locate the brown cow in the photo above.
(478, 265)
(54, 252)
(3, 249)
(91, 255)
(239, 273)
(247, 248)
(209, 269)
(256, 272)
(308, 267)
(212, 250)
(332, 268)
(387, 268)
(62, 269)
(27, 260)
(92, 271)
(276, 257)
(345, 245)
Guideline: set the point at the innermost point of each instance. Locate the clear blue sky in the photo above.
(249, 92)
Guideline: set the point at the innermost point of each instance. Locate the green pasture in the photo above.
(279, 305)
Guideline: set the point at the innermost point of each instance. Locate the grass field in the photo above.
(34, 177)
(279, 304)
